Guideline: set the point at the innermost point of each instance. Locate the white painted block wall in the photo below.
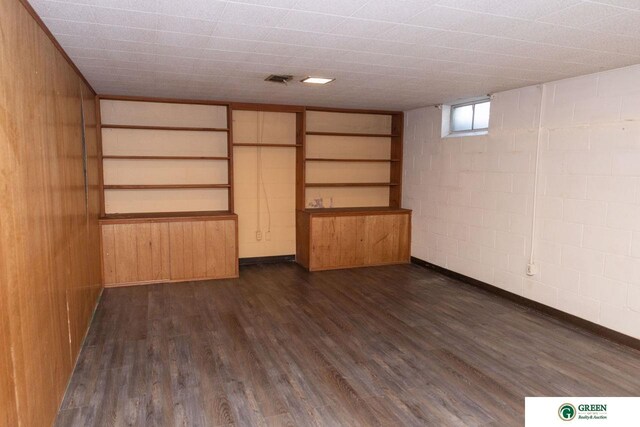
(473, 196)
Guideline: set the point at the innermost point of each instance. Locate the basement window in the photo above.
(466, 118)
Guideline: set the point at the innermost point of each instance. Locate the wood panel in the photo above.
(354, 240)
(83, 291)
(48, 238)
(302, 238)
(152, 251)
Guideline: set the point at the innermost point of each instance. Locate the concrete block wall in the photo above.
(472, 196)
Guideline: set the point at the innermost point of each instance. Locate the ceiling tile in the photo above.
(248, 14)
(384, 53)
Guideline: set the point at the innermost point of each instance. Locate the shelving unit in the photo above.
(328, 180)
(155, 145)
(167, 185)
(364, 147)
(351, 165)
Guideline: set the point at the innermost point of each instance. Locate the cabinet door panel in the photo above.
(144, 252)
(231, 237)
(216, 248)
(126, 255)
(175, 250)
(160, 256)
(199, 249)
(359, 240)
(108, 254)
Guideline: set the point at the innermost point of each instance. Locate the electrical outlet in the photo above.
(532, 269)
(258, 235)
(267, 236)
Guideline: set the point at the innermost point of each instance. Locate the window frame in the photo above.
(473, 103)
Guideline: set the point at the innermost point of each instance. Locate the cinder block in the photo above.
(626, 163)
(538, 291)
(585, 211)
(580, 306)
(566, 186)
(602, 109)
(562, 232)
(511, 202)
(483, 200)
(635, 245)
(621, 319)
(496, 220)
(606, 239)
(482, 236)
(560, 277)
(547, 252)
(497, 181)
(619, 82)
(603, 289)
(509, 282)
(624, 215)
(589, 163)
(623, 268)
(612, 188)
(510, 243)
(518, 162)
(551, 207)
(583, 260)
(572, 138)
(633, 297)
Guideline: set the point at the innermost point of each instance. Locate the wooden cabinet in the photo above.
(344, 238)
(152, 248)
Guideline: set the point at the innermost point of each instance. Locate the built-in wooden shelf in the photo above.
(163, 216)
(164, 128)
(165, 158)
(237, 144)
(368, 135)
(164, 186)
(322, 159)
(350, 184)
(378, 210)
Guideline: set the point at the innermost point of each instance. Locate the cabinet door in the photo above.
(135, 252)
(324, 243)
(387, 239)
(203, 249)
(337, 242)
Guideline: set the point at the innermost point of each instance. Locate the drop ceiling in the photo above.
(391, 54)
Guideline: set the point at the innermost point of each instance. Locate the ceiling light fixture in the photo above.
(317, 80)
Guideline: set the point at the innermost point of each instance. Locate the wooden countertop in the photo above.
(374, 210)
(166, 217)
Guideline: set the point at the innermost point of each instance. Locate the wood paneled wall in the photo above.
(49, 241)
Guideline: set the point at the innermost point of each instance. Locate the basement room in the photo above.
(319, 213)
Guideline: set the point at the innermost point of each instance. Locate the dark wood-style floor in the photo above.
(390, 346)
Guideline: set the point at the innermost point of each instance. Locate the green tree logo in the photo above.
(567, 412)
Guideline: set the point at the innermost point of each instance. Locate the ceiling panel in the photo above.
(396, 54)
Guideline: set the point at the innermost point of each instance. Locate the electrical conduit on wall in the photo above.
(532, 268)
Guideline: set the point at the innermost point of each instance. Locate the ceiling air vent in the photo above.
(278, 78)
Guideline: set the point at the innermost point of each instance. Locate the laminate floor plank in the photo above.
(279, 346)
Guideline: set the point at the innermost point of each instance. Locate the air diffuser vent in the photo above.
(279, 78)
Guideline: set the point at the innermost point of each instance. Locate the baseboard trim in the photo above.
(591, 327)
(267, 259)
